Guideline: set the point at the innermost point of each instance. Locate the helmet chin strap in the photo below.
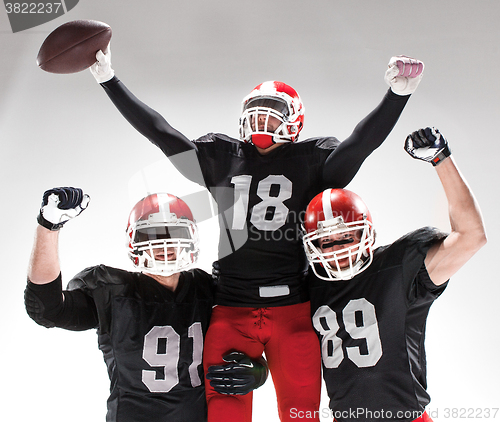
(262, 141)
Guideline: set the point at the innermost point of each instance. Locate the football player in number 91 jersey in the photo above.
(151, 324)
(369, 306)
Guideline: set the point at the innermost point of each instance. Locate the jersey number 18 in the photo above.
(259, 211)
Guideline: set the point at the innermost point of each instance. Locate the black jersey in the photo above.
(151, 338)
(261, 254)
(372, 331)
(261, 198)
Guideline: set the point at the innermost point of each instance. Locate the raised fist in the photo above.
(428, 145)
(60, 205)
(404, 74)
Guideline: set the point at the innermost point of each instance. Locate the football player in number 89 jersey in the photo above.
(151, 324)
(369, 306)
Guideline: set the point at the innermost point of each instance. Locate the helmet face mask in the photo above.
(343, 263)
(271, 99)
(162, 237)
(339, 235)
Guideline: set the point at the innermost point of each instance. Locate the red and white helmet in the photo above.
(338, 214)
(161, 226)
(278, 100)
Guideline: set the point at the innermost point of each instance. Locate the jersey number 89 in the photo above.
(325, 322)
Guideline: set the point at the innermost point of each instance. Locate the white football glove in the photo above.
(427, 144)
(59, 205)
(101, 69)
(404, 74)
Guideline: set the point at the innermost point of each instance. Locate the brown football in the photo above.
(71, 47)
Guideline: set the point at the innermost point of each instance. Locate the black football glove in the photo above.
(215, 271)
(60, 205)
(427, 145)
(240, 376)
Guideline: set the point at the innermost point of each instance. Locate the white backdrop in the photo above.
(194, 61)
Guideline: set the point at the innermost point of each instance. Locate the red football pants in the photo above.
(286, 335)
(424, 418)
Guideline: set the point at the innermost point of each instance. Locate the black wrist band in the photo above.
(47, 224)
(444, 153)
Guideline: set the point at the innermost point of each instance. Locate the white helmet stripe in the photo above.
(327, 204)
(164, 208)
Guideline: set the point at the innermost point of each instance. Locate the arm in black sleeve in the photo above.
(49, 306)
(181, 151)
(344, 162)
(146, 120)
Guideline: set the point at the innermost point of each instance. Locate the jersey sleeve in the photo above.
(345, 161)
(425, 281)
(418, 243)
(148, 122)
(48, 305)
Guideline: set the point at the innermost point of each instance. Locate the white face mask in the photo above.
(179, 238)
(346, 262)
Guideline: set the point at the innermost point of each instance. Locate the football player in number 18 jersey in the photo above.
(151, 324)
(369, 306)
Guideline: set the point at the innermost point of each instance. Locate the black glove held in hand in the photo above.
(240, 376)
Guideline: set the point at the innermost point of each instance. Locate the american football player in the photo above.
(369, 306)
(151, 323)
(262, 182)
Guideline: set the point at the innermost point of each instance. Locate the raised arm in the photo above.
(143, 118)
(59, 205)
(468, 234)
(403, 76)
(44, 299)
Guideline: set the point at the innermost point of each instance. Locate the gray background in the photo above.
(194, 61)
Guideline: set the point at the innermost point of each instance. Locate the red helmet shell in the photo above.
(171, 218)
(333, 203)
(291, 114)
(156, 203)
(338, 212)
(275, 87)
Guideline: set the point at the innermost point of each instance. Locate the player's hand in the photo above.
(101, 69)
(428, 145)
(60, 205)
(404, 74)
(240, 376)
(215, 271)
